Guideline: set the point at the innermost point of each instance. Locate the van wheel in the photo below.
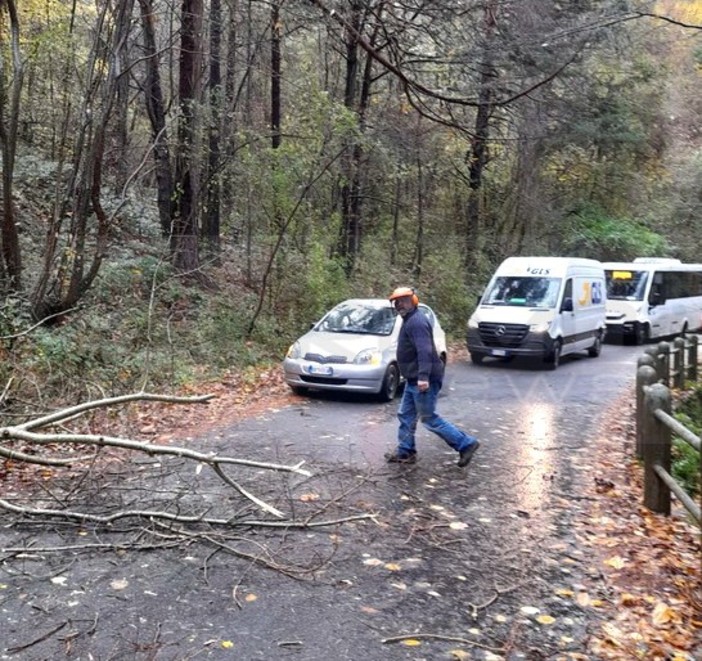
(596, 348)
(476, 357)
(553, 360)
(391, 382)
(642, 334)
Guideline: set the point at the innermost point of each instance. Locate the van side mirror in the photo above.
(567, 305)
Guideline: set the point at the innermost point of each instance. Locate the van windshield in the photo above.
(533, 292)
(626, 285)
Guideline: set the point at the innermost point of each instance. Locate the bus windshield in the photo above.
(626, 285)
(529, 292)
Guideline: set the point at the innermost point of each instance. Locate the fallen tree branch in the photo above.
(72, 411)
(177, 518)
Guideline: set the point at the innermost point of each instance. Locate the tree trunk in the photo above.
(86, 245)
(184, 238)
(156, 110)
(275, 75)
(11, 262)
(479, 155)
(211, 216)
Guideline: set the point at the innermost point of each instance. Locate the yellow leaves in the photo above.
(309, 497)
(584, 600)
(627, 599)
(226, 644)
(250, 598)
(613, 634)
(392, 566)
(412, 642)
(616, 561)
(663, 614)
(545, 619)
(460, 655)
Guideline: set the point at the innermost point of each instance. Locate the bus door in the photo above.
(659, 311)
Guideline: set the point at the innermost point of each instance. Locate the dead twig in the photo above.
(435, 636)
(36, 641)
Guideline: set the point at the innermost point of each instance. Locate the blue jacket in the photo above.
(417, 357)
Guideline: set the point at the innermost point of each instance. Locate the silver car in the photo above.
(353, 348)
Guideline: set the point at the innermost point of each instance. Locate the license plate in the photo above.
(323, 370)
(498, 352)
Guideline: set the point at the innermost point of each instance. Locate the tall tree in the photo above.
(156, 111)
(211, 215)
(184, 237)
(11, 262)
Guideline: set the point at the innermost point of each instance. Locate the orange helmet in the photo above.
(401, 292)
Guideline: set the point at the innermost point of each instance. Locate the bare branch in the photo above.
(72, 411)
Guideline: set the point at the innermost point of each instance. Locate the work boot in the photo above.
(397, 458)
(466, 455)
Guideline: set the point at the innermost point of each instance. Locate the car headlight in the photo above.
(368, 357)
(295, 351)
(540, 328)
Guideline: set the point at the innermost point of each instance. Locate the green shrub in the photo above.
(685, 459)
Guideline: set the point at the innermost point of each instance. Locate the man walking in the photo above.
(423, 371)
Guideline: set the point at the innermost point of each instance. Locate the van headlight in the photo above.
(540, 328)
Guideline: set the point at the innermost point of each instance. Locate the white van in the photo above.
(543, 307)
(651, 298)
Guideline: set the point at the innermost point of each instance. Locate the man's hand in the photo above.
(423, 386)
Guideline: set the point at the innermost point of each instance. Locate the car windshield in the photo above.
(355, 317)
(626, 285)
(533, 292)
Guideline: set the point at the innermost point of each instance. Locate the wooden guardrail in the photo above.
(660, 366)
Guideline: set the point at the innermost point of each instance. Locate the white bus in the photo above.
(651, 298)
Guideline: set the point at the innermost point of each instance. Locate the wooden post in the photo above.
(646, 375)
(656, 448)
(679, 362)
(663, 358)
(692, 354)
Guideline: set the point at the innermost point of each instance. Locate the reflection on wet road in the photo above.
(535, 426)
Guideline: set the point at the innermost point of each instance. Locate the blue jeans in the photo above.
(416, 405)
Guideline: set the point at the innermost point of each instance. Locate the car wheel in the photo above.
(553, 359)
(476, 357)
(391, 382)
(596, 348)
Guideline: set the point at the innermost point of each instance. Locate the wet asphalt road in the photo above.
(466, 559)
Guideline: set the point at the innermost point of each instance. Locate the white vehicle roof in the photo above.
(551, 266)
(662, 265)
